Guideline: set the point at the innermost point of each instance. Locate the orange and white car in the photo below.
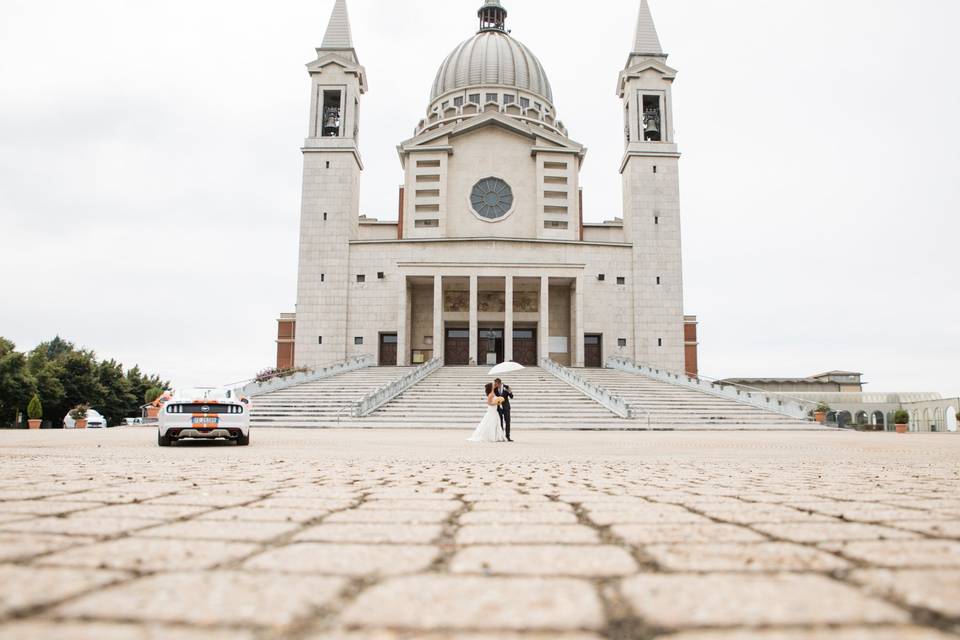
(204, 414)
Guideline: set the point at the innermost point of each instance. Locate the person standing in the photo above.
(503, 391)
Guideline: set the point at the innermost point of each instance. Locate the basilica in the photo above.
(489, 259)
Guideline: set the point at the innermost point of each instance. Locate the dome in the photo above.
(490, 58)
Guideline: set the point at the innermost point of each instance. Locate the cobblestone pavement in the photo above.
(345, 535)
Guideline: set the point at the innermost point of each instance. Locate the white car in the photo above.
(94, 421)
(205, 414)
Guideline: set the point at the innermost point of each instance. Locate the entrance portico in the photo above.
(476, 315)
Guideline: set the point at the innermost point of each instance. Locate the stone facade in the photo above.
(489, 259)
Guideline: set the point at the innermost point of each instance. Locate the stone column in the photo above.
(543, 330)
(403, 325)
(474, 322)
(508, 320)
(439, 339)
(578, 344)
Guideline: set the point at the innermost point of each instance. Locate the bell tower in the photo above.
(651, 199)
(330, 208)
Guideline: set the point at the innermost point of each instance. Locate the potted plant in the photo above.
(820, 414)
(902, 419)
(35, 412)
(152, 397)
(79, 415)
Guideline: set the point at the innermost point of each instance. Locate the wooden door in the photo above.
(525, 347)
(388, 349)
(593, 351)
(457, 347)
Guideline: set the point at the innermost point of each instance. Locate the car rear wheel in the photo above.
(164, 441)
(243, 440)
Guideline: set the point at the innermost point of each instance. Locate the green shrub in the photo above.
(823, 407)
(152, 394)
(79, 412)
(901, 417)
(35, 408)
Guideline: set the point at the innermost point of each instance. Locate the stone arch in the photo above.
(844, 418)
(915, 420)
(938, 424)
(951, 422)
(861, 418)
(926, 420)
(878, 419)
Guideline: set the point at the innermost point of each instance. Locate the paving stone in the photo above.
(406, 635)
(435, 602)
(43, 507)
(936, 528)
(519, 517)
(446, 506)
(689, 533)
(937, 590)
(204, 499)
(112, 631)
(346, 559)
(27, 587)
(150, 554)
(526, 534)
(678, 601)
(652, 514)
(766, 556)
(18, 546)
(145, 511)
(760, 513)
(226, 597)
(831, 531)
(215, 530)
(908, 554)
(257, 514)
(395, 517)
(79, 526)
(862, 633)
(371, 533)
(526, 505)
(545, 560)
(318, 504)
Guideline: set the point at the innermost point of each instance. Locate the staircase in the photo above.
(454, 397)
(675, 407)
(324, 403)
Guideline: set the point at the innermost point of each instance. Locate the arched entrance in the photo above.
(952, 425)
(878, 420)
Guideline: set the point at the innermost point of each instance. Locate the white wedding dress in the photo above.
(489, 429)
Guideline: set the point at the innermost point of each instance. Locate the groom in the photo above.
(504, 392)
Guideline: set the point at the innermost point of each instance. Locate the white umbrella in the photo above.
(505, 367)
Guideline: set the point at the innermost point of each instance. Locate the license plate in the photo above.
(206, 421)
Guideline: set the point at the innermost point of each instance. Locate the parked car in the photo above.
(204, 414)
(94, 420)
(131, 422)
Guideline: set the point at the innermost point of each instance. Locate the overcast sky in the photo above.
(150, 151)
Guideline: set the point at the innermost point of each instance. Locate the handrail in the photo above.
(381, 396)
(768, 402)
(255, 389)
(724, 383)
(604, 396)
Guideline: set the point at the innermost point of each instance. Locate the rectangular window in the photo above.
(658, 279)
(428, 193)
(458, 101)
(330, 117)
(492, 97)
(475, 98)
(523, 334)
(555, 195)
(358, 341)
(428, 178)
(555, 180)
(323, 277)
(361, 278)
(389, 339)
(622, 342)
(659, 342)
(508, 99)
(446, 103)
(324, 216)
(591, 340)
(621, 280)
(656, 219)
(428, 163)
(654, 168)
(602, 277)
(428, 208)
(381, 275)
(426, 224)
(458, 333)
(652, 122)
(320, 340)
(555, 224)
(525, 102)
(556, 210)
(328, 164)
(555, 165)
(538, 106)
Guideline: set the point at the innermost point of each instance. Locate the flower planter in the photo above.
(34, 424)
(820, 416)
(903, 428)
(80, 424)
(153, 412)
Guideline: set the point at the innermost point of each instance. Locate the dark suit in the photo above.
(504, 409)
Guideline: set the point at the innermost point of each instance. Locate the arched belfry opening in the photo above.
(493, 17)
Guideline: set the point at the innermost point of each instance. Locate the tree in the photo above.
(80, 380)
(118, 402)
(35, 408)
(16, 384)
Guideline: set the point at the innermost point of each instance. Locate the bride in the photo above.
(489, 429)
